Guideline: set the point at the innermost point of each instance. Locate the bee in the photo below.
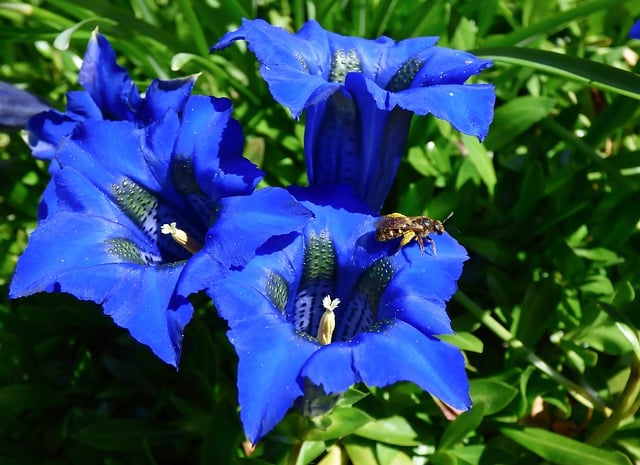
(409, 227)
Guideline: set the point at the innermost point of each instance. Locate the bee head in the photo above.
(438, 226)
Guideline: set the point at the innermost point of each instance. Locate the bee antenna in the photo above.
(448, 216)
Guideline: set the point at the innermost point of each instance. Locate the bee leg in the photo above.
(433, 245)
(420, 243)
(406, 238)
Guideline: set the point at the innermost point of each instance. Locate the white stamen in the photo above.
(328, 320)
(181, 237)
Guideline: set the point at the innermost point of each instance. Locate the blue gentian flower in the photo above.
(145, 215)
(360, 95)
(109, 94)
(336, 307)
(17, 106)
(634, 33)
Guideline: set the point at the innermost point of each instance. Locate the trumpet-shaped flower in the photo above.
(143, 216)
(109, 94)
(336, 307)
(360, 95)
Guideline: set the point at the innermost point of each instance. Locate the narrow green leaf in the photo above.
(552, 21)
(562, 450)
(588, 72)
(62, 41)
(531, 192)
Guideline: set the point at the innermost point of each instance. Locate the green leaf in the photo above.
(20, 397)
(392, 456)
(394, 430)
(580, 70)
(493, 395)
(309, 451)
(468, 455)
(343, 422)
(597, 284)
(539, 303)
(461, 426)
(120, 434)
(531, 193)
(360, 452)
(606, 257)
(515, 117)
(464, 341)
(562, 450)
(481, 160)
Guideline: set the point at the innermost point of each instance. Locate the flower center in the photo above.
(310, 309)
(149, 212)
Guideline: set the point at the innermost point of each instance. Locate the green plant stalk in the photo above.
(201, 43)
(626, 405)
(578, 392)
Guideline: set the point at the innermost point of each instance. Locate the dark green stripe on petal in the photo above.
(126, 250)
(319, 258)
(278, 291)
(405, 75)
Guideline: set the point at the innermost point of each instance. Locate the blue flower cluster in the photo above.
(151, 201)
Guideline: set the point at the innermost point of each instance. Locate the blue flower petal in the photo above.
(107, 82)
(248, 221)
(46, 130)
(207, 130)
(634, 32)
(407, 354)
(17, 106)
(162, 96)
(110, 94)
(274, 365)
(270, 353)
(95, 259)
(469, 108)
(294, 66)
(81, 106)
(332, 368)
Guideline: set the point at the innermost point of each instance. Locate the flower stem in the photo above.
(580, 393)
(626, 405)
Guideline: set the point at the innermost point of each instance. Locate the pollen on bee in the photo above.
(328, 320)
(181, 237)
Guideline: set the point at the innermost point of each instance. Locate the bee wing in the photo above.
(392, 221)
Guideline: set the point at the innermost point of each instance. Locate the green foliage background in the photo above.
(548, 208)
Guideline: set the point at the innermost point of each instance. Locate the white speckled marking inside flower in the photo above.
(344, 63)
